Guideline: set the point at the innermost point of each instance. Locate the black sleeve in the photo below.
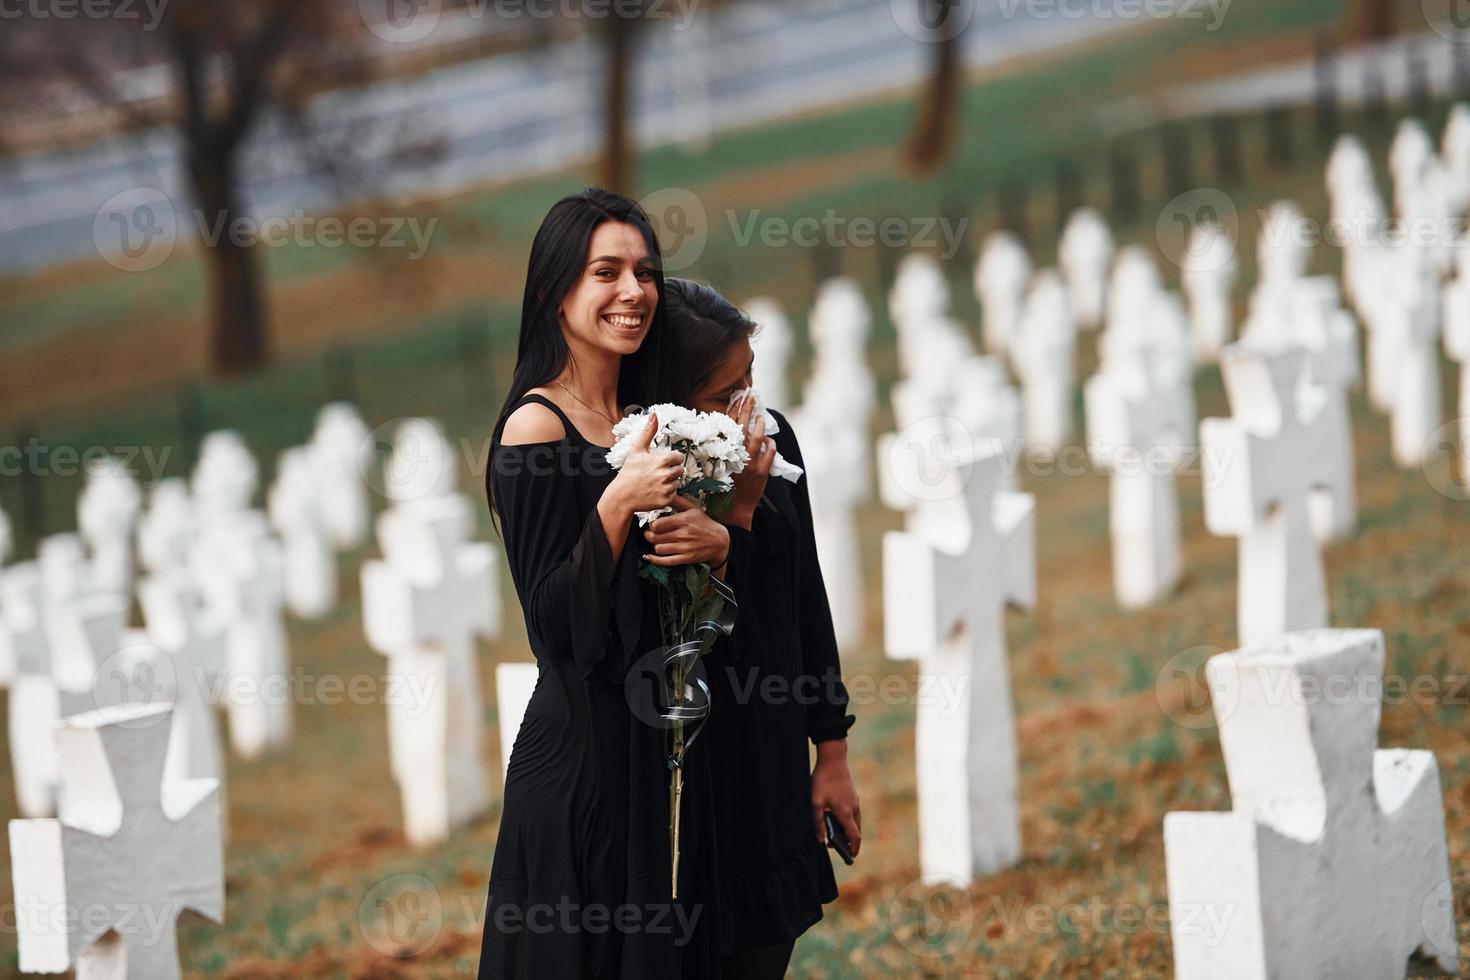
(571, 589)
(827, 717)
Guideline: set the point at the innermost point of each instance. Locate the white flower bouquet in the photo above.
(695, 607)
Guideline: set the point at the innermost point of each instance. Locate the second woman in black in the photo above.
(776, 682)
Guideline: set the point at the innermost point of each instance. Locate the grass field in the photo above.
(1110, 736)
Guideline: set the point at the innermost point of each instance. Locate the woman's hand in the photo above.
(649, 478)
(750, 483)
(833, 789)
(687, 536)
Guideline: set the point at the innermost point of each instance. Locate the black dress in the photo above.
(775, 683)
(579, 885)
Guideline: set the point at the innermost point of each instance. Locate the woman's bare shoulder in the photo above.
(531, 423)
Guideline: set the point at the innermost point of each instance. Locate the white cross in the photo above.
(189, 640)
(107, 513)
(423, 606)
(1140, 424)
(943, 605)
(1084, 253)
(1260, 467)
(1307, 313)
(167, 531)
(226, 476)
(1043, 352)
(772, 346)
(514, 684)
(1208, 272)
(104, 884)
(341, 448)
(238, 566)
(297, 512)
(1001, 274)
(1332, 862)
(1457, 346)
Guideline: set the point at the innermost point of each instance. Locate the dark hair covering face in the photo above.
(703, 326)
(558, 256)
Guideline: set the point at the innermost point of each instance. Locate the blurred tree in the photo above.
(615, 163)
(1370, 20)
(931, 140)
(226, 64)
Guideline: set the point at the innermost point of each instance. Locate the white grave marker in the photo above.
(1260, 468)
(1333, 861)
(1208, 277)
(943, 604)
(131, 850)
(1084, 254)
(1001, 274)
(107, 514)
(514, 684)
(423, 605)
(1044, 354)
(343, 455)
(297, 511)
(1140, 425)
(168, 531)
(772, 346)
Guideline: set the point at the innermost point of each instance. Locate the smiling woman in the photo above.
(580, 883)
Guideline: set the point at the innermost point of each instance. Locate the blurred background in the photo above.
(225, 215)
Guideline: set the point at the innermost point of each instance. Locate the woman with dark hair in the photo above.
(579, 885)
(776, 681)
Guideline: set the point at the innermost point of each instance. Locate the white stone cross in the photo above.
(837, 479)
(1455, 152)
(1084, 254)
(1411, 151)
(423, 606)
(343, 456)
(1043, 351)
(1306, 313)
(1140, 425)
(514, 684)
(1457, 346)
(422, 464)
(1260, 467)
(186, 641)
(225, 477)
(1404, 320)
(107, 514)
(1332, 862)
(1208, 273)
(238, 566)
(297, 511)
(943, 605)
(167, 531)
(772, 346)
(104, 884)
(1001, 274)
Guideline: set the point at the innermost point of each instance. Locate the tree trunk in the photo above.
(237, 338)
(930, 141)
(614, 170)
(1370, 20)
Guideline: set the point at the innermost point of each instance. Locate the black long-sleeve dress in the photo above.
(775, 683)
(584, 825)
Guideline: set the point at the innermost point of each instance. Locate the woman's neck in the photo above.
(593, 376)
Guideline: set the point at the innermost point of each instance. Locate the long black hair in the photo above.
(703, 326)
(558, 255)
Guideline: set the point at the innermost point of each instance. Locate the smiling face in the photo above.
(732, 374)
(611, 304)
